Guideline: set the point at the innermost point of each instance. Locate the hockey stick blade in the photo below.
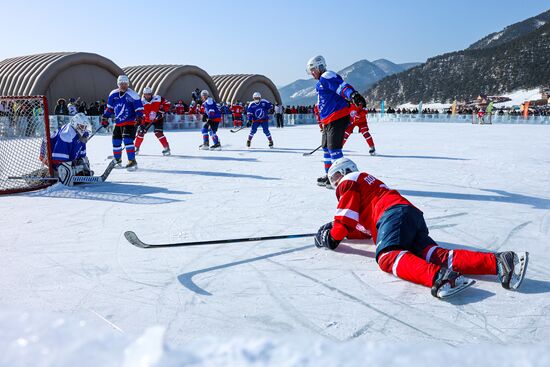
(134, 240)
(313, 151)
(239, 129)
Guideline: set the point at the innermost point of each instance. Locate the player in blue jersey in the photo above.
(333, 94)
(257, 114)
(125, 106)
(68, 146)
(211, 116)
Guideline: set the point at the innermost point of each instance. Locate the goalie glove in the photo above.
(358, 99)
(65, 173)
(324, 239)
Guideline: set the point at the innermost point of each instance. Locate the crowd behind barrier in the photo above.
(182, 122)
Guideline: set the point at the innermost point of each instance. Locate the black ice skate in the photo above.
(166, 151)
(248, 142)
(132, 165)
(216, 146)
(118, 162)
(137, 151)
(511, 267)
(205, 146)
(448, 283)
(372, 151)
(271, 144)
(323, 181)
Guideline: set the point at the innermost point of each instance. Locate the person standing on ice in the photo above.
(126, 106)
(358, 117)
(367, 207)
(211, 118)
(333, 94)
(154, 108)
(257, 114)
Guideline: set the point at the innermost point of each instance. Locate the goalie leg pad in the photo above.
(65, 174)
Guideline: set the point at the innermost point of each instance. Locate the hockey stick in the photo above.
(239, 129)
(75, 179)
(134, 240)
(313, 151)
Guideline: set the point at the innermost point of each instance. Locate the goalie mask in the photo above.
(80, 124)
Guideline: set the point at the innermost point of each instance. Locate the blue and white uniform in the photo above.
(213, 117)
(66, 146)
(125, 108)
(258, 115)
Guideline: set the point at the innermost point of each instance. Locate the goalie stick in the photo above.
(134, 240)
(313, 151)
(75, 179)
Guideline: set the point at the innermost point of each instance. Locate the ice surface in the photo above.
(64, 257)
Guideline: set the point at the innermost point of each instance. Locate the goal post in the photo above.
(25, 148)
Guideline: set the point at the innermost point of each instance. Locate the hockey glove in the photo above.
(84, 137)
(139, 120)
(358, 99)
(248, 124)
(204, 117)
(104, 122)
(324, 239)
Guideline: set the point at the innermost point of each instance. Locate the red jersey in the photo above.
(156, 105)
(362, 199)
(237, 111)
(180, 109)
(192, 110)
(358, 116)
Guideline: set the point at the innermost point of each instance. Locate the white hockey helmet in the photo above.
(80, 123)
(317, 62)
(256, 95)
(339, 169)
(147, 90)
(204, 93)
(122, 79)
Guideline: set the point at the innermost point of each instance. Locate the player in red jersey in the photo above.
(154, 108)
(367, 207)
(358, 116)
(237, 111)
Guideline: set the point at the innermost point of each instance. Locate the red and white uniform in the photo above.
(237, 111)
(358, 117)
(180, 108)
(362, 199)
(152, 108)
(193, 110)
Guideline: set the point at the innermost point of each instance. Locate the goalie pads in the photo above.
(65, 174)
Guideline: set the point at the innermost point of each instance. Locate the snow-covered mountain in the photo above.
(513, 31)
(361, 74)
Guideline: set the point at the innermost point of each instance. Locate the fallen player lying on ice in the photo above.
(366, 206)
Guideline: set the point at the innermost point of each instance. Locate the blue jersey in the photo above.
(332, 92)
(66, 145)
(125, 107)
(211, 110)
(259, 111)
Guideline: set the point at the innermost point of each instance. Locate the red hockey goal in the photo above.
(25, 150)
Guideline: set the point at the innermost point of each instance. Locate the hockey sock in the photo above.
(336, 154)
(160, 136)
(139, 140)
(130, 150)
(326, 159)
(214, 137)
(407, 266)
(462, 261)
(117, 148)
(205, 135)
(367, 136)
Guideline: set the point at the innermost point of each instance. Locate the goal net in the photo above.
(25, 151)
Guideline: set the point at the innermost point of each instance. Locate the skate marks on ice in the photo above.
(205, 158)
(210, 174)
(500, 197)
(407, 156)
(111, 192)
(186, 279)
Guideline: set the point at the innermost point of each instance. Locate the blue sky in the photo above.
(274, 38)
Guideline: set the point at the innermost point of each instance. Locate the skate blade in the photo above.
(447, 292)
(520, 267)
(166, 154)
(131, 169)
(217, 149)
